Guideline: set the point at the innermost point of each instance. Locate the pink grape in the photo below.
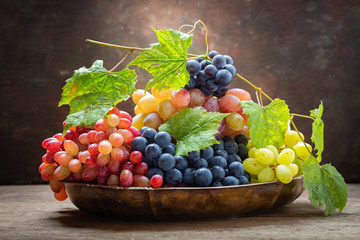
(75, 165)
(212, 105)
(180, 98)
(127, 135)
(136, 157)
(91, 135)
(124, 123)
(99, 136)
(101, 180)
(141, 181)
(83, 155)
(82, 129)
(59, 137)
(128, 165)
(91, 161)
(242, 94)
(53, 145)
(49, 158)
(141, 168)
(126, 178)
(61, 172)
(117, 154)
(102, 159)
(113, 180)
(110, 131)
(134, 131)
(101, 125)
(105, 147)
(83, 139)
(70, 135)
(55, 185)
(89, 174)
(116, 139)
(61, 195)
(197, 97)
(127, 152)
(93, 149)
(230, 103)
(71, 147)
(112, 120)
(47, 172)
(63, 158)
(156, 181)
(102, 171)
(126, 115)
(46, 141)
(114, 167)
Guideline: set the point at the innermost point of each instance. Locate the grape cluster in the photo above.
(218, 165)
(270, 164)
(211, 77)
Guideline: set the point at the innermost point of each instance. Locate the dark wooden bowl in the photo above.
(183, 202)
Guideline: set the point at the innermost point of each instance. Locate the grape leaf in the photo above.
(166, 60)
(267, 124)
(325, 185)
(193, 128)
(91, 92)
(317, 136)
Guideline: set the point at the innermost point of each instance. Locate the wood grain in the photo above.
(31, 212)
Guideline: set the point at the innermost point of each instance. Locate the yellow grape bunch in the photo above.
(271, 163)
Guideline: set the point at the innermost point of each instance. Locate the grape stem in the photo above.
(303, 116)
(131, 49)
(193, 28)
(255, 87)
(117, 65)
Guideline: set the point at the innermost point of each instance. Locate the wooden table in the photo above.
(31, 212)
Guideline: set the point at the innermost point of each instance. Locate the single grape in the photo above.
(169, 149)
(126, 178)
(105, 147)
(236, 169)
(141, 168)
(204, 63)
(75, 165)
(148, 104)
(61, 195)
(242, 94)
(99, 136)
(153, 120)
(230, 103)
(216, 184)
(210, 71)
(223, 77)
(116, 139)
(138, 121)
(53, 145)
(201, 78)
(61, 172)
(219, 61)
(135, 132)
(302, 150)
(55, 185)
(218, 161)
(200, 163)
(252, 166)
(128, 166)
(228, 59)
(139, 144)
(294, 169)
(212, 54)
(117, 154)
(153, 151)
(218, 173)
(222, 153)
(219, 146)
(275, 152)
(149, 134)
(207, 153)
(166, 109)
(243, 151)
(91, 161)
(114, 167)
(291, 138)
(231, 147)
(112, 120)
(212, 105)
(180, 98)
(194, 155)
(124, 123)
(241, 138)
(266, 175)
(189, 176)
(197, 97)
(233, 158)
(136, 157)
(231, 69)
(102, 160)
(156, 181)
(231, 181)
(138, 94)
(127, 135)
(193, 67)
(180, 163)
(163, 139)
(101, 125)
(47, 172)
(235, 121)
(286, 156)
(283, 173)
(166, 161)
(173, 177)
(113, 180)
(211, 85)
(203, 177)
(264, 156)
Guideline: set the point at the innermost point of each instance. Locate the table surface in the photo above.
(31, 212)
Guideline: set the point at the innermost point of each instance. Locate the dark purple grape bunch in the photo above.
(211, 77)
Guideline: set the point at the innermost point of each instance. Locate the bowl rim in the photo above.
(92, 185)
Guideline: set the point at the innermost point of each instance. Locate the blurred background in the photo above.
(301, 51)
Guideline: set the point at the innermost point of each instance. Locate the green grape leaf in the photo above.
(267, 124)
(317, 136)
(325, 185)
(166, 60)
(194, 129)
(91, 92)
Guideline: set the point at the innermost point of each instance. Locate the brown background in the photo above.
(300, 51)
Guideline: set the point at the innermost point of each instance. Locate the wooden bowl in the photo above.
(183, 202)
